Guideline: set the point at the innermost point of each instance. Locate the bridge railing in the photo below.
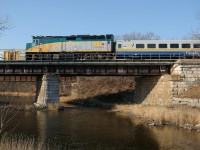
(107, 57)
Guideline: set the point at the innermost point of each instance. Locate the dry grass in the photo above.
(161, 114)
(16, 94)
(22, 143)
(54, 106)
(29, 107)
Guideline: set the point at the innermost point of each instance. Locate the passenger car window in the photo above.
(151, 45)
(119, 45)
(139, 45)
(185, 45)
(196, 45)
(162, 45)
(174, 46)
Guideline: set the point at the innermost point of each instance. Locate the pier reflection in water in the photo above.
(91, 128)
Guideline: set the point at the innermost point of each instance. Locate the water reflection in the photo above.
(170, 137)
(47, 122)
(173, 138)
(93, 128)
(88, 128)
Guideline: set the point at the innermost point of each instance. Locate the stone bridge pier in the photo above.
(166, 89)
(48, 96)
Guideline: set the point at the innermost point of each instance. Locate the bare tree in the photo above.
(138, 36)
(4, 24)
(195, 34)
(7, 113)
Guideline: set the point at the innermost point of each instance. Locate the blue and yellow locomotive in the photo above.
(76, 47)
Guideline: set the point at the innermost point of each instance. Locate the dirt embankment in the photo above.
(193, 93)
(18, 92)
(90, 87)
(104, 89)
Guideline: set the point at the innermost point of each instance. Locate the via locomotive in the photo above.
(104, 47)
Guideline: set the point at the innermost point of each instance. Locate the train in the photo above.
(93, 47)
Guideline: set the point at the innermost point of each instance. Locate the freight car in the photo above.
(12, 55)
(69, 47)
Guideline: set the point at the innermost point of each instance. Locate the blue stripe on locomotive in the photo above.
(157, 54)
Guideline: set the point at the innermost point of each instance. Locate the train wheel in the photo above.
(94, 56)
(86, 57)
(28, 57)
(35, 57)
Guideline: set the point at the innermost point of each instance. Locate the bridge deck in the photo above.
(78, 68)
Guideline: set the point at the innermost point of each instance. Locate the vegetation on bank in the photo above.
(181, 116)
(8, 142)
(17, 143)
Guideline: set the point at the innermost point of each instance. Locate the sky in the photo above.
(170, 19)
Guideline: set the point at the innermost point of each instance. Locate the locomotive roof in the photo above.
(107, 36)
(158, 41)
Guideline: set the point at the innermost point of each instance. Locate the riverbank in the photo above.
(21, 142)
(180, 116)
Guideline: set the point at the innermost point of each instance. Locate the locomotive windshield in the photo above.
(35, 41)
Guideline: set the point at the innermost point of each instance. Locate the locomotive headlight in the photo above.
(162, 69)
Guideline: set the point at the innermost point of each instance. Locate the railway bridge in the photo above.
(156, 81)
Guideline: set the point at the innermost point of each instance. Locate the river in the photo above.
(94, 128)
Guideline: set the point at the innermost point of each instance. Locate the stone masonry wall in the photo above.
(184, 77)
(166, 90)
(49, 91)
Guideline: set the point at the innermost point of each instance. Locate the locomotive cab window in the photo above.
(162, 45)
(109, 36)
(186, 45)
(36, 41)
(85, 37)
(139, 45)
(71, 38)
(174, 46)
(151, 45)
(196, 45)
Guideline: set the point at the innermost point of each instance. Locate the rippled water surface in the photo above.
(92, 128)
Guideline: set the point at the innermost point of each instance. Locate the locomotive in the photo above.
(70, 47)
(85, 47)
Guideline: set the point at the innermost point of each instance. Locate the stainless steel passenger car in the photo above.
(158, 48)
